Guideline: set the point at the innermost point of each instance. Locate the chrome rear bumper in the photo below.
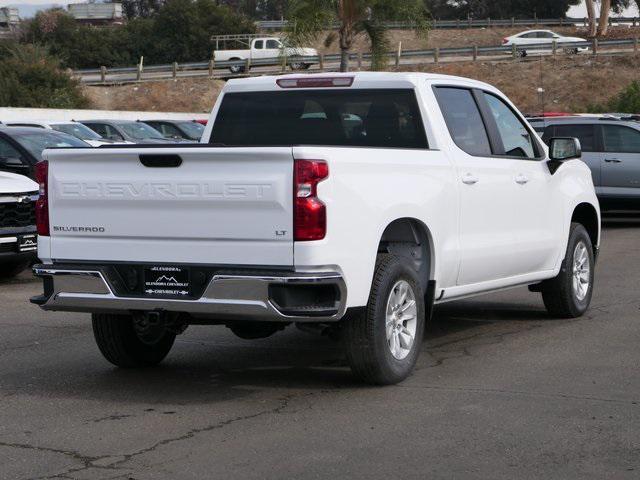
(226, 296)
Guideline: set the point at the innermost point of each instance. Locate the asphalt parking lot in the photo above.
(500, 391)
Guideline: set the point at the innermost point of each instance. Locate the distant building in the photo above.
(97, 13)
(9, 21)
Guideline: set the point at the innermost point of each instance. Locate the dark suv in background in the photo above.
(610, 147)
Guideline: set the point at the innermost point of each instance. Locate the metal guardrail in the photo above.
(432, 54)
(474, 22)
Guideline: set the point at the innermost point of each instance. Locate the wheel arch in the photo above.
(410, 238)
(587, 215)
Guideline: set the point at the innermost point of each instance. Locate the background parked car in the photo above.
(76, 129)
(18, 240)
(178, 129)
(532, 38)
(127, 130)
(21, 147)
(610, 147)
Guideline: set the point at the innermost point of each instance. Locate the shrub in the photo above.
(627, 101)
(30, 77)
(179, 31)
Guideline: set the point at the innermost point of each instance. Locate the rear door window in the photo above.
(463, 120)
(585, 133)
(621, 139)
(8, 151)
(99, 128)
(384, 118)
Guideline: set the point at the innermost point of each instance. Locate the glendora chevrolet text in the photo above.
(352, 203)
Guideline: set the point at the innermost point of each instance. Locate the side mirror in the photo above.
(562, 149)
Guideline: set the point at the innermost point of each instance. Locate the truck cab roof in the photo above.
(360, 80)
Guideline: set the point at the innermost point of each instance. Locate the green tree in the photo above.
(30, 77)
(310, 18)
(626, 101)
(180, 31)
(500, 8)
(140, 8)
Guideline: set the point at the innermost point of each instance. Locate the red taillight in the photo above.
(310, 214)
(42, 204)
(505, 40)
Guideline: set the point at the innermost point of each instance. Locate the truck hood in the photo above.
(14, 183)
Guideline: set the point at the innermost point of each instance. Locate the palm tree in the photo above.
(308, 19)
(603, 24)
(591, 14)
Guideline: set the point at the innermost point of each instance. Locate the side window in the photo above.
(528, 35)
(516, 138)
(463, 120)
(545, 35)
(259, 45)
(273, 44)
(169, 130)
(584, 133)
(112, 133)
(99, 128)
(7, 150)
(621, 139)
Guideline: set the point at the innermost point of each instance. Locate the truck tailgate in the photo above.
(199, 205)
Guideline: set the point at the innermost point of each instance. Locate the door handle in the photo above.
(612, 160)
(160, 160)
(521, 179)
(469, 179)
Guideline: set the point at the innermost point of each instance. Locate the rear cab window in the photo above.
(382, 118)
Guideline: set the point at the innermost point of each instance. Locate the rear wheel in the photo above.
(383, 341)
(235, 69)
(299, 66)
(569, 294)
(130, 342)
(571, 51)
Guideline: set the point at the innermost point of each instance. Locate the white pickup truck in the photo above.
(264, 50)
(353, 202)
(17, 223)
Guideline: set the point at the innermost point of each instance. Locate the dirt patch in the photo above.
(570, 83)
(183, 95)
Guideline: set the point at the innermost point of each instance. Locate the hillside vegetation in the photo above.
(570, 83)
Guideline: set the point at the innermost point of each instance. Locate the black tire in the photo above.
(121, 345)
(299, 66)
(522, 53)
(12, 269)
(559, 295)
(237, 69)
(365, 336)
